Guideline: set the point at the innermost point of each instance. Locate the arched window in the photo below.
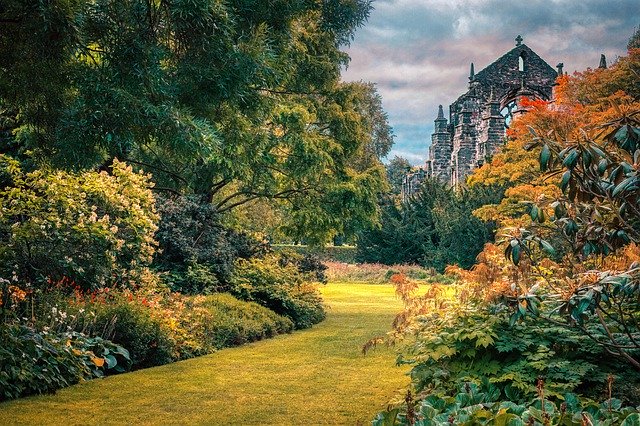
(521, 62)
(507, 113)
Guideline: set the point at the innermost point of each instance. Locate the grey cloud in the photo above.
(418, 51)
(406, 21)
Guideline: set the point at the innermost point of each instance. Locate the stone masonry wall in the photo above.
(476, 128)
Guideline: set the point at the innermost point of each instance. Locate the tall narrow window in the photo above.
(521, 63)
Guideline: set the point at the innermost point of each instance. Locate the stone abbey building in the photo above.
(474, 126)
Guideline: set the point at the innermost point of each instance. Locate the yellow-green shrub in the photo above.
(199, 325)
(94, 229)
(234, 322)
(280, 286)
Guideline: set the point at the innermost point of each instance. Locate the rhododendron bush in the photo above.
(552, 308)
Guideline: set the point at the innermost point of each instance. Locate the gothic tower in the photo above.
(440, 149)
(491, 131)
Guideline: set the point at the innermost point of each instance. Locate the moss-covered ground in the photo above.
(316, 376)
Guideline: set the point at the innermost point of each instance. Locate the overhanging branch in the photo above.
(222, 206)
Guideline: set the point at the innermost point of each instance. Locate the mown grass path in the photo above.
(316, 376)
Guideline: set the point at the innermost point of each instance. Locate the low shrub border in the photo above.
(89, 337)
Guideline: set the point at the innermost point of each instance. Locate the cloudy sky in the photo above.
(419, 51)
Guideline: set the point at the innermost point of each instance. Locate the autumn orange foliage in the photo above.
(582, 103)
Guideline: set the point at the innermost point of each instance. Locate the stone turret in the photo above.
(465, 138)
(492, 130)
(603, 62)
(440, 150)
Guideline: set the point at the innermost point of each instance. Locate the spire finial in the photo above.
(603, 62)
(472, 73)
(519, 40)
(559, 67)
(440, 112)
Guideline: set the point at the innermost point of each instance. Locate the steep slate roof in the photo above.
(504, 75)
(505, 78)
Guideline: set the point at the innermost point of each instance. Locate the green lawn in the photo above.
(316, 376)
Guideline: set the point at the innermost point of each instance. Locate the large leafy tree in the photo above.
(233, 100)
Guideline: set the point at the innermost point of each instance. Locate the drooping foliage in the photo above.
(232, 100)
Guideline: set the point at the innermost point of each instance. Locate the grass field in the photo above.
(316, 376)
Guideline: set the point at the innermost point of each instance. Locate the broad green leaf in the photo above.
(566, 176)
(546, 246)
(571, 159)
(631, 420)
(515, 254)
(111, 361)
(545, 155)
(621, 134)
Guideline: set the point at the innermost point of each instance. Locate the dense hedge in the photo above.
(277, 284)
(234, 322)
(158, 328)
(343, 254)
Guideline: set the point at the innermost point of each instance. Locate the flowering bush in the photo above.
(96, 229)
